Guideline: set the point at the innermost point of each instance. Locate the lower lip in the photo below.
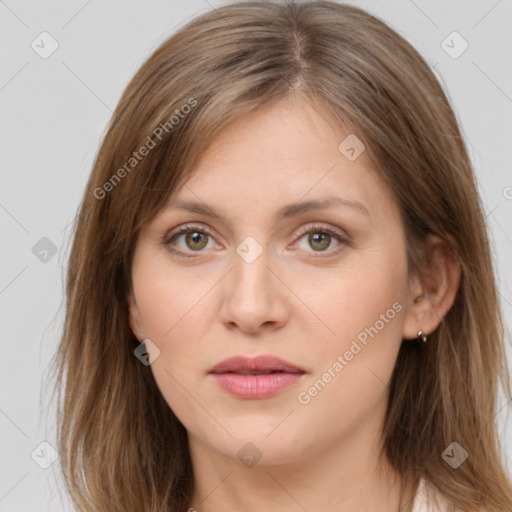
(255, 386)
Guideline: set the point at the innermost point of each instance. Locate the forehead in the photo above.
(290, 133)
(280, 153)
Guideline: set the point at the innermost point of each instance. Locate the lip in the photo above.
(261, 363)
(248, 378)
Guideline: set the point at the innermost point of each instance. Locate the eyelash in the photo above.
(168, 239)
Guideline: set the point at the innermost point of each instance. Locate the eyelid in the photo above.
(322, 227)
(342, 237)
(182, 228)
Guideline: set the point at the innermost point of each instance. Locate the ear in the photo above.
(134, 317)
(432, 294)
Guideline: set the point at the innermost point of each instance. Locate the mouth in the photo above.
(246, 372)
(259, 377)
(260, 365)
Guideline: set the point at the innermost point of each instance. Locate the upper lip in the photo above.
(263, 363)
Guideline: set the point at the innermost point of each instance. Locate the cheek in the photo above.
(353, 366)
(350, 301)
(172, 312)
(170, 300)
(363, 306)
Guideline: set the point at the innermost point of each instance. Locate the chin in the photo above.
(259, 442)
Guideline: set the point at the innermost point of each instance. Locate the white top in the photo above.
(429, 499)
(423, 499)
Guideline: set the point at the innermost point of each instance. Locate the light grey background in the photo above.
(54, 113)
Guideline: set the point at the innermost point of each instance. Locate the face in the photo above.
(323, 289)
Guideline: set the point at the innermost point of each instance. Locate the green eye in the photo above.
(196, 239)
(320, 238)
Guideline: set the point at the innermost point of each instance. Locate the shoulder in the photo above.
(429, 499)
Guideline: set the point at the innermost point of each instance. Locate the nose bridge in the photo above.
(252, 294)
(251, 275)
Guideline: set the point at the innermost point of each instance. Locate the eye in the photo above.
(195, 240)
(320, 237)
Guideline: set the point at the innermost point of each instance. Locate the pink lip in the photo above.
(239, 376)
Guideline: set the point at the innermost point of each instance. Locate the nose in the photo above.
(254, 296)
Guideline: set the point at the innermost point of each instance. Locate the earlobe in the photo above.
(432, 295)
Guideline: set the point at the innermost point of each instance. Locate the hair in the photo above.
(121, 447)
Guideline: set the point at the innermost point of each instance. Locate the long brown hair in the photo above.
(121, 447)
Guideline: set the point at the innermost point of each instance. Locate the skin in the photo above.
(296, 301)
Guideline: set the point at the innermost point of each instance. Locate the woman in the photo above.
(280, 294)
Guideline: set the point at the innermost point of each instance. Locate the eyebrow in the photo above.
(287, 211)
